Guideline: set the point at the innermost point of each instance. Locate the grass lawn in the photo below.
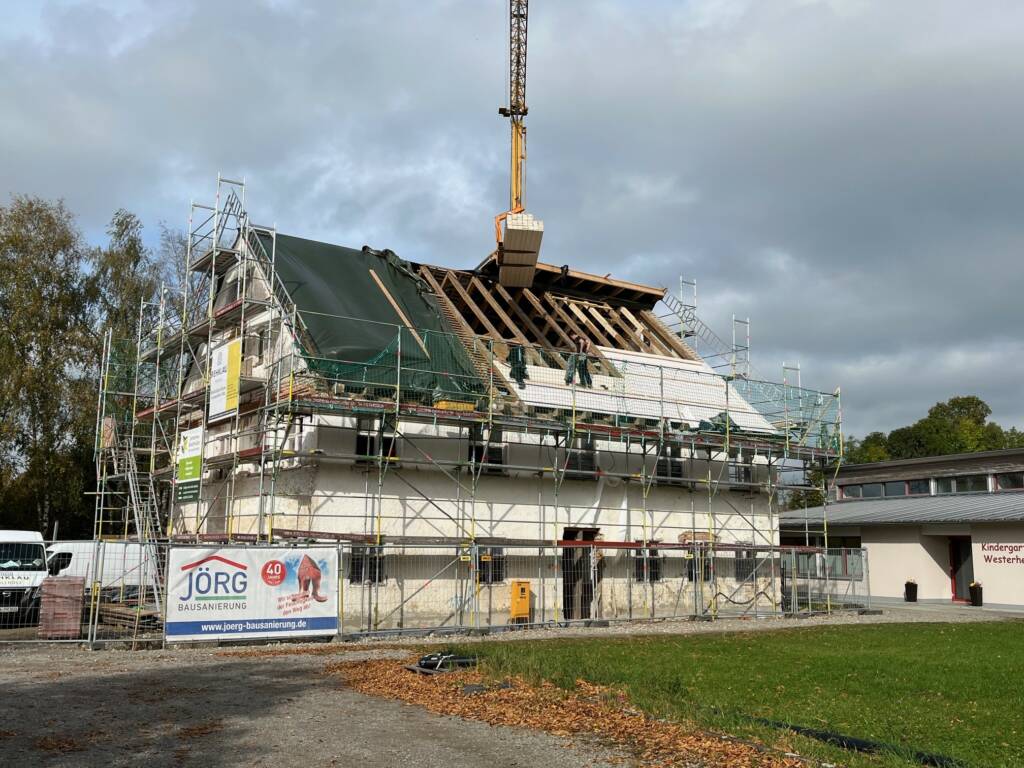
(952, 689)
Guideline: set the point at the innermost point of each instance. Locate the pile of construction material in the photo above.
(520, 249)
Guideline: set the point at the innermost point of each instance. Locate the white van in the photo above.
(114, 564)
(23, 566)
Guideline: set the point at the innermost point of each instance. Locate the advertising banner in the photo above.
(238, 593)
(189, 457)
(225, 367)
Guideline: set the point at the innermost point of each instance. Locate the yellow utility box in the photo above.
(519, 605)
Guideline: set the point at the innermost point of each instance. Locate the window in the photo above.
(746, 564)
(741, 474)
(491, 453)
(918, 487)
(851, 491)
(490, 565)
(647, 565)
(700, 559)
(582, 456)
(896, 488)
(944, 485)
(844, 563)
(670, 469)
(971, 484)
(366, 443)
(1010, 481)
(872, 490)
(366, 565)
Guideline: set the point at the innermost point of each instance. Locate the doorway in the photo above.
(961, 567)
(580, 574)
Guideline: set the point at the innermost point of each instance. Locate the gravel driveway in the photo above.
(62, 706)
(65, 706)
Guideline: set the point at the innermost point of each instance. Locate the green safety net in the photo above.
(354, 334)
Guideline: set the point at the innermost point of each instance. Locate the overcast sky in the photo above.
(848, 173)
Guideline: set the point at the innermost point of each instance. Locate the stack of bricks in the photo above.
(60, 609)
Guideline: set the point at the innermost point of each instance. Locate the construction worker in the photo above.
(517, 365)
(570, 364)
(579, 361)
(583, 347)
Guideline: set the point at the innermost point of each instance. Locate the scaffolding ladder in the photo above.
(145, 510)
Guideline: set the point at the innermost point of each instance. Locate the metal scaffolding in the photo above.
(420, 414)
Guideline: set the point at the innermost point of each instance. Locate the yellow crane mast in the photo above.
(519, 243)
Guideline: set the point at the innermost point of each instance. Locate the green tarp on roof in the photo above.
(353, 329)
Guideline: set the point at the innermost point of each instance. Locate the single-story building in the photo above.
(943, 522)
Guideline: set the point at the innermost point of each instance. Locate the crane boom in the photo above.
(517, 258)
(517, 109)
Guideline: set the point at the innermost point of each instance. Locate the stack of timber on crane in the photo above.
(520, 249)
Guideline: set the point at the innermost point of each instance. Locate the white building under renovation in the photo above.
(458, 431)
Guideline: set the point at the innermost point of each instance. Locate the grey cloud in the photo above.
(846, 173)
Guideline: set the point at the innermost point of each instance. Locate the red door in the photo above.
(961, 567)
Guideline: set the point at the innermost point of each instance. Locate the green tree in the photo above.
(874, 447)
(47, 356)
(958, 425)
(57, 298)
(124, 274)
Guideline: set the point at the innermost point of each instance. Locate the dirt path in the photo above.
(275, 706)
(68, 707)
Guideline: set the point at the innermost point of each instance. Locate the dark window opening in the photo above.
(742, 474)
(944, 485)
(872, 490)
(490, 565)
(670, 469)
(896, 488)
(491, 453)
(366, 565)
(971, 484)
(745, 564)
(698, 566)
(582, 457)
(851, 491)
(1010, 481)
(918, 487)
(367, 450)
(647, 565)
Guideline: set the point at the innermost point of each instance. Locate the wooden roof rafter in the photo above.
(450, 279)
(666, 335)
(527, 321)
(627, 328)
(657, 347)
(594, 332)
(517, 334)
(594, 352)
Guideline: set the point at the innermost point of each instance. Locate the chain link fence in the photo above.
(81, 591)
(105, 591)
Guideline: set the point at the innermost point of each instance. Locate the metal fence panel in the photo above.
(105, 590)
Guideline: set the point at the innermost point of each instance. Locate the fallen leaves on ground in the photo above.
(61, 744)
(588, 710)
(201, 729)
